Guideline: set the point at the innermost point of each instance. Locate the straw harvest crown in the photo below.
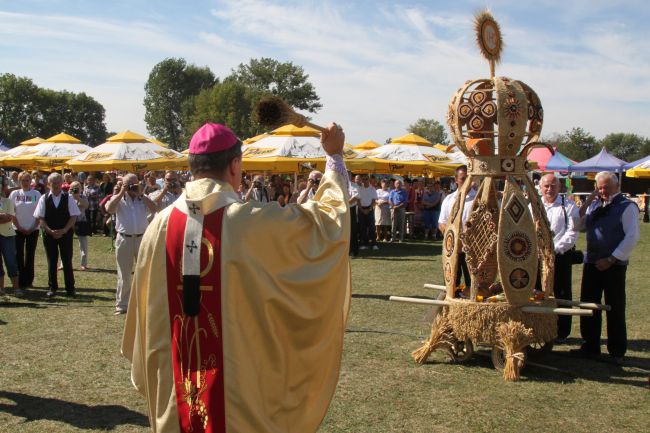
(495, 116)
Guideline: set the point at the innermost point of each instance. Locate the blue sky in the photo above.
(378, 66)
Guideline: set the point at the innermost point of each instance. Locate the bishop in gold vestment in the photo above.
(238, 310)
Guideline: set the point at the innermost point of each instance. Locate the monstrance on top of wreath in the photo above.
(506, 238)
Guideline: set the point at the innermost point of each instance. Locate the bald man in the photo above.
(612, 225)
(564, 218)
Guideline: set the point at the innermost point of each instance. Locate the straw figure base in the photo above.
(505, 327)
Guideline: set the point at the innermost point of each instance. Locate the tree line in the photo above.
(27, 111)
(180, 97)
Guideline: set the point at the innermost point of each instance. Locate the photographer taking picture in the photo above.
(313, 182)
(171, 190)
(130, 207)
(257, 191)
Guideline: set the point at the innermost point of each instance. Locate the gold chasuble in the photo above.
(263, 353)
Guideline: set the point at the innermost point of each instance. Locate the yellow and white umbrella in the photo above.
(32, 141)
(128, 151)
(52, 153)
(366, 145)
(642, 170)
(24, 145)
(288, 149)
(413, 154)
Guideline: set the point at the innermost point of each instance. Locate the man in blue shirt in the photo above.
(397, 200)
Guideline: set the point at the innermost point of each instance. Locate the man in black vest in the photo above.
(57, 213)
(612, 225)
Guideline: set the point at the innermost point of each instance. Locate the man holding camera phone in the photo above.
(130, 207)
(171, 190)
(257, 192)
(313, 182)
(564, 218)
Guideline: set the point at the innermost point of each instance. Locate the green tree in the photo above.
(286, 80)
(628, 147)
(577, 144)
(171, 85)
(230, 103)
(18, 109)
(430, 129)
(27, 110)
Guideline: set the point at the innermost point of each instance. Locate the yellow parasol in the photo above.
(367, 145)
(32, 141)
(50, 154)
(641, 171)
(411, 139)
(128, 151)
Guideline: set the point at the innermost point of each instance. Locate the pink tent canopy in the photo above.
(540, 155)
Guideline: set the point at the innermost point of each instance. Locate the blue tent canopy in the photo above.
(604, 161)
(559, 162)
(637, 162)
(3, 146)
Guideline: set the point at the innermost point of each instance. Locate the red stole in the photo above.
(197, 350)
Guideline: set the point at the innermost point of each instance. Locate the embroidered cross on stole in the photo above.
(197, 350)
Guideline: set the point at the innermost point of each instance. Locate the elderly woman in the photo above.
(382, 211)
(82, 225)
(7, 241)
(24, 200)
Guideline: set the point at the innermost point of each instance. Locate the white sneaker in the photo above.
(363, 247)
(375, 247)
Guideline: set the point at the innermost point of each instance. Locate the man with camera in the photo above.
(171, 190)
(564, 219)
(257, 192)
(130, 207)
(57, 213)
(612, 225)
(313, 182)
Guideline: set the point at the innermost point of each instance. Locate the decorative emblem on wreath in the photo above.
(449, 243)
(507, 165)
(447, 272)
(517, 246)
(519, 278)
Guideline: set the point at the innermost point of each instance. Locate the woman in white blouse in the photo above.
(382, 212)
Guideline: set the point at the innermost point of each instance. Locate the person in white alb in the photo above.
(366, 214)
(445, 211)
(130, 207)
(564, 219)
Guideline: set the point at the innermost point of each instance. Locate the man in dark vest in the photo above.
(612, 225)
(57, 213)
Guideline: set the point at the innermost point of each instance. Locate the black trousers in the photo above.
(563, 290)
(612, 283)
(464, 270)
(354, 232)
(91, 217)
(367, 227)
(54, 247)
(25, 252)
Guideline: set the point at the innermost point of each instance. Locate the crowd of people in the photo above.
(382, 209)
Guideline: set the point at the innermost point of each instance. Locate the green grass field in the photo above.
(61, 371)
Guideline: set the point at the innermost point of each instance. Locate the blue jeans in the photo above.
(431, 219)
(8, 253)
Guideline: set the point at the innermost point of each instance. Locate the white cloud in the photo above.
(376, 70)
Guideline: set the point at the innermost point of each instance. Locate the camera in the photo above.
(134, 187)
(74, 190)
(257, 184)
(173, 184)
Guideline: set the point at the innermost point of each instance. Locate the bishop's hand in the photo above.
(332, 139)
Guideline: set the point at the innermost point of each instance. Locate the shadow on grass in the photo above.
(101, 270)
(84, 295)
(105, 417)
(402, 252)
(385, 297)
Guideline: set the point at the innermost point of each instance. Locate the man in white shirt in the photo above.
(257, 191)
(353, 188)
(366, 214)
(564, 219)
(445, 211)
(171, 190)
(130, 208)
(312, 186)
(57, 212)
(25, 200)
(612, 225)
